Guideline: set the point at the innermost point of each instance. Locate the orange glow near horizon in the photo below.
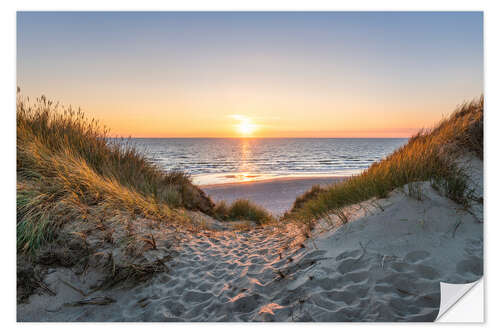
(177, 119)
(253, 75)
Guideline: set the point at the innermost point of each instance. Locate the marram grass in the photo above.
(242, 209)
(428, 156)
(68, 169)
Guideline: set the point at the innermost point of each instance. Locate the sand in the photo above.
(276, 195)
(386, 264)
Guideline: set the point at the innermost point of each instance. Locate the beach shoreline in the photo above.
(284, 179)
(276, 195)
(152, 246)
(212, 179)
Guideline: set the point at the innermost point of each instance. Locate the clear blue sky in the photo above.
(289, 74)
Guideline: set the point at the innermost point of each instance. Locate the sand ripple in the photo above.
(247, 277)
(360, 272)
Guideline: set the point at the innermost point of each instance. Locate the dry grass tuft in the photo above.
(67, 169)
(429, 155)
(242, 209)
(313, 192)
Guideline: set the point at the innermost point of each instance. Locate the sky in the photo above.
(254, 74)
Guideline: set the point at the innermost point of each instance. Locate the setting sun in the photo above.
(245, 127)
(250, 166)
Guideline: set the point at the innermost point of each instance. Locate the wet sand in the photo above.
(276, 195)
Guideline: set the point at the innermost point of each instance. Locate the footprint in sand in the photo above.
(417, 256)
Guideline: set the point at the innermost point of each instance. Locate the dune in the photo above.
(332, 257)
(384, 265)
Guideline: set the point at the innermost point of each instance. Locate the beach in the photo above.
(276, 195)
(230, 166)
(386, 264)
(126, 241)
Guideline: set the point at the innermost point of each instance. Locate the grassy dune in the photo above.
(429, 155)
(67, 169)
(83, 201)
(242, 209)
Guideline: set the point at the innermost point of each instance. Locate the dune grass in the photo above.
(428, 156)
(68, 169)
(242, 209)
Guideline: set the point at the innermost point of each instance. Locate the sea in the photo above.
(229, 160)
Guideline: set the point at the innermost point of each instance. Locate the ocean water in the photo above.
(214, 161)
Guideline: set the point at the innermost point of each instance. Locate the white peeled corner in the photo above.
(460, 305)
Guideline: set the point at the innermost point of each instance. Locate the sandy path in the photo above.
(242, 278)
(276, 195)
(385, 265)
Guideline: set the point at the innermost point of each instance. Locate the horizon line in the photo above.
(259, 137)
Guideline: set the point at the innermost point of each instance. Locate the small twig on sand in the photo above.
(456, 227)
(478, 220)
(280, 275)
(81, 292)
(42, 285)
(406, 292)
(99, 300)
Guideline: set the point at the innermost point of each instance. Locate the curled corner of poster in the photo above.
(462, 303)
